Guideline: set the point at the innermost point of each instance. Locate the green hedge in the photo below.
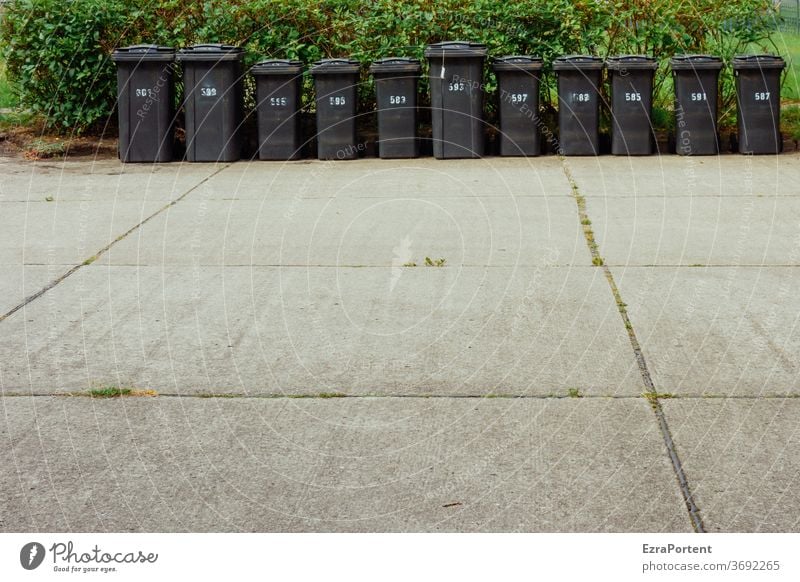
(56, 51)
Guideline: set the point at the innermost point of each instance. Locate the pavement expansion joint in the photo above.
(651, 393)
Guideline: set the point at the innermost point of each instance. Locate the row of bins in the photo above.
(212, 76)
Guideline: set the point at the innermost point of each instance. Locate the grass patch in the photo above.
(41, 149)
(429, 262)
(115, 392)
(597, 261)
(574, 393)
(410, 264)
(110, 392)
(790, 121)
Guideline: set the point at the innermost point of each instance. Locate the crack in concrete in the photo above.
(599, 262)
(91, 259)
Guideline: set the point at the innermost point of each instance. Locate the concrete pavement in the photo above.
(493, 370)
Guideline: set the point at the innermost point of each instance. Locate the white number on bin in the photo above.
(698, 97)
(633, 96)
(208, 91)
(581, 97)
(519, 97)
(144, 92)
(457, 86)
(762, 96)
(279, 101)
(397, 99)
(339, 100)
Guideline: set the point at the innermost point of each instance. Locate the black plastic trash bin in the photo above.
(758, 92)
(336, 86)
(396, 95)
(145, 108)
(279, 89)
(631, 104)
(579, 78)
(456, 79)
(696, 92)
(518, 96)
(213, 101)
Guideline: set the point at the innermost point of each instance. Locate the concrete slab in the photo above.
(690, 231)
(424, 330)
(191, 464)
(740, 456)
(678, 176)
(18, 282)
(65, 233)
(717, 330)
(373, 178)
(466, 231)
(97, 180)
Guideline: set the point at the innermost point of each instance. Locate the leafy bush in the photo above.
(57, 52)
(57, 57)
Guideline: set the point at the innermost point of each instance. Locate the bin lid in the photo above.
(143, 52)
(336, 67)
(396, 65)
(522, 63)
(758, 62)
(695, 62)
(578, 63)
(277, 67)
(455, 48)
(211, 52)
(631, 63)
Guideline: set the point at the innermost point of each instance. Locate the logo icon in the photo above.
(31, 555)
